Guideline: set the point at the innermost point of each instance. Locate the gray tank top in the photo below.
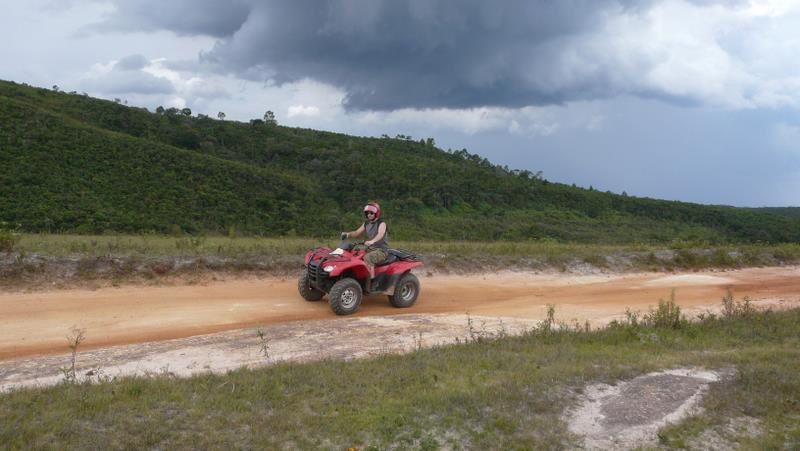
(372, 231)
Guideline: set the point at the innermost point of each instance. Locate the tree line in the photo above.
(72, 163)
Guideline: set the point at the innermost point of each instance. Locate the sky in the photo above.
(690, 100)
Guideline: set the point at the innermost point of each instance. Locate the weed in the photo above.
(473, 333)
(418, 344)
(481, 334)
(264, 343)
(547, 325)
(732, 308)
(502, 332)
(667, 315)
(631, 318)
(74, 340)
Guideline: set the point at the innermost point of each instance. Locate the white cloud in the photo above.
(121, 78)
(302, 110)
(525, 121)
(770, 8)
(716, 56)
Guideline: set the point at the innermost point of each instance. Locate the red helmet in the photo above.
(373, 207)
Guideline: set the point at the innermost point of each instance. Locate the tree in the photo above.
(269, 118)
(55, 88)
(186, 112)
(160, 110)
(221, 116)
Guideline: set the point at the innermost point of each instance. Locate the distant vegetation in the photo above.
(789, 212)
(72, 163)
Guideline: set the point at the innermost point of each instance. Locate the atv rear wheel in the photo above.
(306, 291)
(345, 296)
(406, 291)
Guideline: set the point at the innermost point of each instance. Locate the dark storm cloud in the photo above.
(389, 54)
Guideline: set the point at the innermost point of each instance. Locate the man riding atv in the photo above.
(377, 238)
(352, 270)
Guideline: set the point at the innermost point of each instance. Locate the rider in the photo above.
(377, 237)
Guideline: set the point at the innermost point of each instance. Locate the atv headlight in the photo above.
(329, 268)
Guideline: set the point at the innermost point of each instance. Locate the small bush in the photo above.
(732, 308)
(8, 237)
(667, 315)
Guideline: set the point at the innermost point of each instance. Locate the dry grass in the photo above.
(75, 260)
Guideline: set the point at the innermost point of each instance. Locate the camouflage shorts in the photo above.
(376, 256)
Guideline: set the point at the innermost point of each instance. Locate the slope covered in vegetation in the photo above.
(72, 163)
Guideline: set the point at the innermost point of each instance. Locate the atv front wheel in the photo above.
(406, 291)
(345, 296)
(306, 291)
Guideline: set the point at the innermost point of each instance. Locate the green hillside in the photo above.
(72, 163)
(789, 212)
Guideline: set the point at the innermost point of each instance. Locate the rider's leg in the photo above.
(371, 270)
(372, 258)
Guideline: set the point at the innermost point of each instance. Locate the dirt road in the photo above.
(37, 323)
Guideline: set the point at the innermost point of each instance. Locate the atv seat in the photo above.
(394, 255)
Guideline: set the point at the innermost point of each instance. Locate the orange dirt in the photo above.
(37, 323)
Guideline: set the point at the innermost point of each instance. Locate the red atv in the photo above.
(342, 275)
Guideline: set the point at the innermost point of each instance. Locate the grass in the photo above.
(545, 252)
(488, 392)
(43, 260)
(58, 245)
(159, 245)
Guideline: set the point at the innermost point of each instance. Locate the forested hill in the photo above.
(72, 163)
(789, 212)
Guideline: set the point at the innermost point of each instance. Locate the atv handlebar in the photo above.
(359, 245)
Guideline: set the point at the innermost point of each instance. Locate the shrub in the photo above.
(732, 308)
(8, 237)
(667, 315)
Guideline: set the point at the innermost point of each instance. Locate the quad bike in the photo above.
(343, 276)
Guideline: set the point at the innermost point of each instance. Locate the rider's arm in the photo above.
(378, 236)
(356, 232)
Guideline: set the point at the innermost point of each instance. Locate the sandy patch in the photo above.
(296, 341)
(629, 414)
(690, 279)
